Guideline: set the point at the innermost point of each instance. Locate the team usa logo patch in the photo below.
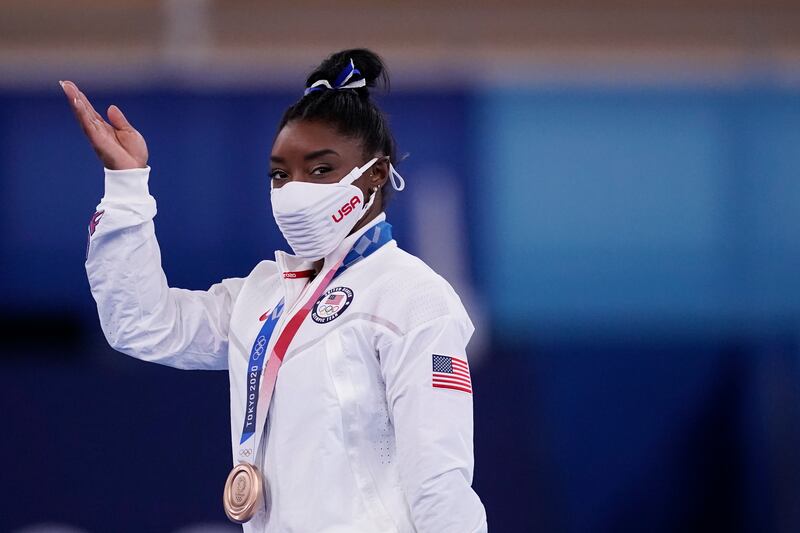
(331, 304)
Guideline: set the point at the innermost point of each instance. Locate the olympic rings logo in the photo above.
(247, 452)
(327, 309)
(258, 349)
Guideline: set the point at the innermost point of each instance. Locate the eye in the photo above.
(278, 175)
(321, 170)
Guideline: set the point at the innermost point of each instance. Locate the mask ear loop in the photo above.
(357, 172)
(370, 201)
(354, 175)
(398, 183)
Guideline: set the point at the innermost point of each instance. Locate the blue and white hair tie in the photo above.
(342, 81)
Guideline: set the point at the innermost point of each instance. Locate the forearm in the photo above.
(437, 460)
(139, 314)
(434, 427)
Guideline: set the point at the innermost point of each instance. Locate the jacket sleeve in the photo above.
(139, 313)
(433, 426)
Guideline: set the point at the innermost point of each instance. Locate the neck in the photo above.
(375, 209)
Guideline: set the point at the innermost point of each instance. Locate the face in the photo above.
(315, 152)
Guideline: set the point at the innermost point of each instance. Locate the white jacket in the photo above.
(357, 438)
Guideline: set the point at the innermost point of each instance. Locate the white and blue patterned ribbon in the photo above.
(342, 81)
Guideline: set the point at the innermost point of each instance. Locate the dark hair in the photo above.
(351, 111)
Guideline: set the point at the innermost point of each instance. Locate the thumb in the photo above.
(118, 120)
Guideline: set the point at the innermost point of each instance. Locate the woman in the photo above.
(369, 428)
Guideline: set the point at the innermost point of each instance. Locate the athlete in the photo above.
(350, 389)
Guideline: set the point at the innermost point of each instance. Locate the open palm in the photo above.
(118, 145)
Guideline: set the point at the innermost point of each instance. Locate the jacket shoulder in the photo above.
(264, 277)
(412, 293)
(264, 269)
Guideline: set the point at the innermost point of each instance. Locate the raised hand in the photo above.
(118, 145)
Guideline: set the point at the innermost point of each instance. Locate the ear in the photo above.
(378, 173)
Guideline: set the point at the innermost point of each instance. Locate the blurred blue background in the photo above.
(630, 252)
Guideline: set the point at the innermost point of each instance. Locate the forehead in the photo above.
(300, 137)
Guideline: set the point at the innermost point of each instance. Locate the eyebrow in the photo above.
(308, 157)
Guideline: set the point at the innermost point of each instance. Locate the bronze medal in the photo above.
(243, 494)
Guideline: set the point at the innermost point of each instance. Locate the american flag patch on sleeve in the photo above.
(451, 373)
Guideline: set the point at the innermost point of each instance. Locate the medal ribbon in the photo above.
(254, 366)
(258, 401)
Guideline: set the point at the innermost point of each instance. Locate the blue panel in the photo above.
(620, 208)
(772, 145)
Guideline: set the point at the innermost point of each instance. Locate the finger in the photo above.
(70, 90)
(91, 108)
(118, 120)
(75, 95)
(88, 123)
(85, 121)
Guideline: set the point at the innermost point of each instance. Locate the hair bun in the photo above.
(368, 63)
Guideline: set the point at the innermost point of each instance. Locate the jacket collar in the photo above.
(296, 270)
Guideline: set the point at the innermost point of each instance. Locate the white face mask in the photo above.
(315, 218)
